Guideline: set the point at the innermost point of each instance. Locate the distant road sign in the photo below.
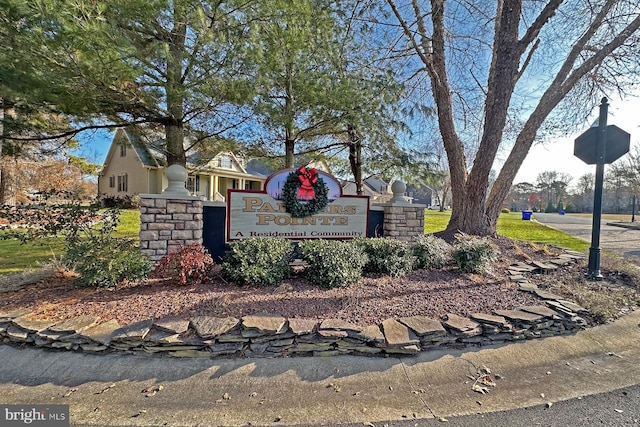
(616, 145)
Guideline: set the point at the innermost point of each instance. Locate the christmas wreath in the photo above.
(304, 184)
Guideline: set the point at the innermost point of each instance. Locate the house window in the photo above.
(247, 185)
(224, 162)
(123, 150)
(112, 181)
(193, 184)
(234, 184)
(122, 183)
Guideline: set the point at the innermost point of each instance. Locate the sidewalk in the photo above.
(107, 390)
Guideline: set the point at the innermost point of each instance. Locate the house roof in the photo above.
(150, 153)
(150, 149)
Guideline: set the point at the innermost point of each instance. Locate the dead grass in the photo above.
(615, 295)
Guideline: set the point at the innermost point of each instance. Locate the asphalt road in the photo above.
(614, 409)
(622, 241)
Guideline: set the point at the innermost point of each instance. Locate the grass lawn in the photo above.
(513, 226)
(16, 257)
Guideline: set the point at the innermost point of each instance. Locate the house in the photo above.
(135, 164)
(377, 189)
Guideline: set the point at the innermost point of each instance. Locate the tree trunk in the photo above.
(289, 117)
(473, 218)
(174, 123)
(355, 159)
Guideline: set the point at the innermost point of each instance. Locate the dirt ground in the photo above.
(52, 295)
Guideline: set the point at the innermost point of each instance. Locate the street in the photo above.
(619, 240)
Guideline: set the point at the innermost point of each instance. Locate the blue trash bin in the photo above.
(526, 215)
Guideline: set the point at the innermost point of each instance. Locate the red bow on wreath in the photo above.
(307, 178)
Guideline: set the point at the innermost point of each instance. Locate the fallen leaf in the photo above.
(254, 394)
(368, 424)
(106, 389)
(226, 396)
(486, 380)
(619, 411)
(480, 389)
(67, 394)
(443, 420)
(542, 395)
(97, 408)
(142, 412)
(277, 419)
(549, 404)
(610, 353)
(151, 393)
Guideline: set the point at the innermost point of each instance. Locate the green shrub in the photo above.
(189, 265)
(332, 263)
(431, 252)
(100, 258)
(259, 261)
(473, 254)
(387, 256)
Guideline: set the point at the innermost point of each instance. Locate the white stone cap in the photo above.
(177, 176)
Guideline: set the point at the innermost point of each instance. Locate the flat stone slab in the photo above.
(31, 325)
(10, 315)
(527, 287)
(101, 333)
(573, 306)
(338, 325)
(172, 324)
(332, 333)
(265, 323)
(560, 307)
(548, 295)
(303, 326)
(371, 333)
(75, 325)
(211, 327)
(398, 335)
(423, 326)
(462, 324)
(490, 319)
(519, 315)
(544, 266)
(134, 331)
(540, 310)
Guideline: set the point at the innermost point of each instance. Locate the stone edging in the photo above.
(267, 335)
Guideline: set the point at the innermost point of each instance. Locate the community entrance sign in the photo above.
(297, 204)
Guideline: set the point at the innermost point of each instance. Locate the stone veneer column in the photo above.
(168, 222)
(402, 220)
(171, 219)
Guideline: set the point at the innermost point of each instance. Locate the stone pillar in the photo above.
(402, 219)
(171, 219)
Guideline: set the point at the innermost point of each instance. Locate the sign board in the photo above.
(616, 145)
(262, 213)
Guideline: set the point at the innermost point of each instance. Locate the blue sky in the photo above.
(550, 156)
